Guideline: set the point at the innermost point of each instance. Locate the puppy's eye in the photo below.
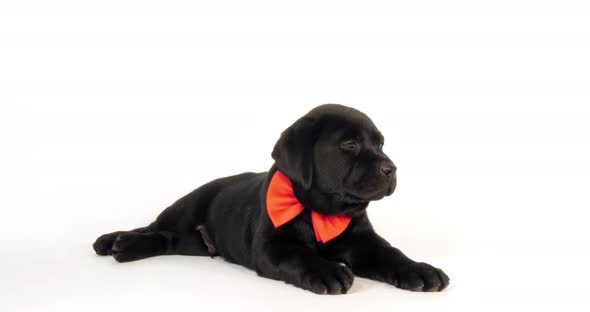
(350, 146)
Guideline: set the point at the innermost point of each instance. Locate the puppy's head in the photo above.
(336, 151)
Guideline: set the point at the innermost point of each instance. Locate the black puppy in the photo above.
(303, 222)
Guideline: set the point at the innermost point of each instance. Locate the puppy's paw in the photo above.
(419, 276)
(103, 245)
(133, 246)
(331, 278)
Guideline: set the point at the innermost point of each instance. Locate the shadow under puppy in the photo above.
(303, 222)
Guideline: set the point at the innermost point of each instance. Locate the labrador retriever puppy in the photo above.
(303, 222)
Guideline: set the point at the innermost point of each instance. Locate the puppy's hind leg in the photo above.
(173, 232)
(132, 246)
(104, 244)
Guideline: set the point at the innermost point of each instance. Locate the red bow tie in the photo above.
(282, 206)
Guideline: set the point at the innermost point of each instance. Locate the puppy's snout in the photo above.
(388, 170)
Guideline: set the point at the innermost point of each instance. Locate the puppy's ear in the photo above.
(293, 152)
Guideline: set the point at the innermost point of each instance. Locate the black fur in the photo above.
(333, 156)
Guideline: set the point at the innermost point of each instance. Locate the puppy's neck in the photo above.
(327, 204)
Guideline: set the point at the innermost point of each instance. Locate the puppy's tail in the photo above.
(207, 240)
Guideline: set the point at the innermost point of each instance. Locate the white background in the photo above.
(111, 110)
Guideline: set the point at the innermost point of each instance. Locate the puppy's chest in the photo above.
(301, 229)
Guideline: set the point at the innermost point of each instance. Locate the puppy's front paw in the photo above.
(331, 278)
(420, 276)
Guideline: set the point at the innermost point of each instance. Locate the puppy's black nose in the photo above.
(387, 170)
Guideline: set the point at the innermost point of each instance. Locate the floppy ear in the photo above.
(293, 152)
